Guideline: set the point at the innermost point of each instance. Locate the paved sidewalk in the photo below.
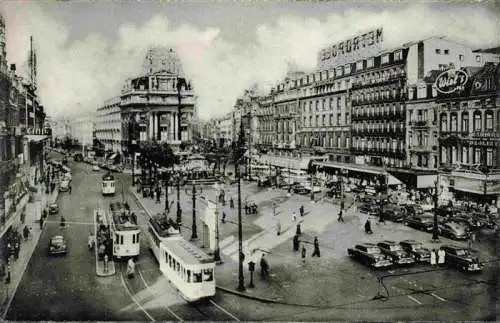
(17, 267)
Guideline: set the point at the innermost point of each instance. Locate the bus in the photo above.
(108, 184)
(160, 229)
(291, 176)
(124, 230)
(188, 268)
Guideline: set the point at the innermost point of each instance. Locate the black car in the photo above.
(58, 246)
(414, 209)
(417, 250)
(393, 213)
(421, 222)
(369, 255)
(461, 258)
(396, 252)
(53, 208)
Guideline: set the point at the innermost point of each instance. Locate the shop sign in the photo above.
(451, 81)
(355, 47)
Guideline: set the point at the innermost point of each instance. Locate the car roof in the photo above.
(452, 247)
(57, 238)
(388, 241)
(367, 244)
(411, 241)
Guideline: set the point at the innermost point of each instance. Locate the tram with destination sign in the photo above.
(108, 184)
(124, 230)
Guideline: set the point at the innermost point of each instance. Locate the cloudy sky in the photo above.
(86, 49)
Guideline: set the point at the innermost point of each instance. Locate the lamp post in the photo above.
(341, 175)
(217, 258)
(181, 82)
(179, 211)
(194, 232)
(435, 231)
(241, 279)
(167, 181)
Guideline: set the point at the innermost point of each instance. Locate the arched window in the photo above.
(453, 121)
(443, 123)
(489, 121)
(477, 121)
(465, 122)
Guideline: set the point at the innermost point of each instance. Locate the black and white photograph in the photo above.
(246, 160)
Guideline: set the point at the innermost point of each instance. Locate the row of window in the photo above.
(466, 155)
(477, 122)
(187, 275)
(421, 139)
(321, 105)
(378, 110)
(378, 126)
(119, 238)
(377, 77)
(378, 94)
(325, 120)
(378, 143)
(324, 141)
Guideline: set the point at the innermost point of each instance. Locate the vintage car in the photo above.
(64, 186)
(396, 252)
(416, 249)
(393, 212)
(53, 208)
(424, 222)
(453, 230)
(414, 209)
(58, 246)
(461, 258)
(370, 255)
(369, 208)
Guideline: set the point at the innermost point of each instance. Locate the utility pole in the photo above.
(435, 231)
(250, 143)
(217, 258)
(179, 212)
(241, 278)
(167, 180)
(180, 83)
(194, 234)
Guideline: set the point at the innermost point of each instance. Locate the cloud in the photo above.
(77, 75)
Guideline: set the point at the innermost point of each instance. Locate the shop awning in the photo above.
(36, 138)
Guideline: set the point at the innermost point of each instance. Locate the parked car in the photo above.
(396, 252)
(95, 168)
(422, 222)
(468, 220)
(417, 250)
(461, 258)
(453, 230)
(393, 212)
(64, 186)
(53, 208)
(58, 246)
(369, 208)
(414, 209)
(370, 255)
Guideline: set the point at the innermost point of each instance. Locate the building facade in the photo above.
(107, 127)
(82, 129)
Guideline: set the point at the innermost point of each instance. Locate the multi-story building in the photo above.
(265, 114)
(325, 113)
(469, 129)
(107, 125)
(162, 101)
(82, 129)
(223, 130)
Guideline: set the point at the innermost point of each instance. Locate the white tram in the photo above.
(124, 230)
(188, 268)
(108, 184)
(160, 229)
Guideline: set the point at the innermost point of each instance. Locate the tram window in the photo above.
(188, 276)
(121, 239)
(137, 238)
(197, 278)
(133, 238)
(116, 238)
(208, 275)
(178, 267)
(166, 257)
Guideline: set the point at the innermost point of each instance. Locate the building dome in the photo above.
(162, 59)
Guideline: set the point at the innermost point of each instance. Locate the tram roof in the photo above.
(123, 222)
(188, 252)
(162, 227)
(108, 177)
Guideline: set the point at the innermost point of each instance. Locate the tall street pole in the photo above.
(217, 249)
(435, 231)
(179, 212)
(194, 234)
(241, 279)
(167, 180)
(180, 83)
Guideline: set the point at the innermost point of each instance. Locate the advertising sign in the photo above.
(350, 50)
(451, 81)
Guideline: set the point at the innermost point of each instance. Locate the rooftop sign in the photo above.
(451, 81)
(350, 50)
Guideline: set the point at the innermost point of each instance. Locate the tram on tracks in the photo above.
(124, 230)
(108, 184)
(188, 268)
(185, 265)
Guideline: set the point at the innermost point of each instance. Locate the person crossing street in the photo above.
(340, 218)
(316, 252)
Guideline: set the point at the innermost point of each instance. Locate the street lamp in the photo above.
(179, 211)
(241, 279)
(217, 258)
(341, 174)
(166, 178)
(194, 233)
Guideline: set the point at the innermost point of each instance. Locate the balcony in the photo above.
(421, 148)
(365, 115)
(421, 124)
(378, 82)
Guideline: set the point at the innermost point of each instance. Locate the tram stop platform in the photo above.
(100, 268)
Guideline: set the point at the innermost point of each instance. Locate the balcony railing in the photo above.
(421, 123)
(365, 115)
(379, 81)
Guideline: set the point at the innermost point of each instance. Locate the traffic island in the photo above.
(105, 266)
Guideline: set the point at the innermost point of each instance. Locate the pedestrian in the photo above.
(23, 216)
(41, 223)
(433, 257)
(301, 210)
(441, 257)
(7, 279)
(231, 203)
(368, 227)
(246, 208)
(26, 232)
(316, 252)
(296, 242)
(278, 227)
(134, 218)
(298, 231)
(106, 259)
(223, 217)
(264, 267)
(69, 189)
(294, 217)
(157, 196)
(340, 218)
(303, 254)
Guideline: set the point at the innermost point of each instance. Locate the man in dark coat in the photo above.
(264, 267)
(368, 227)
(301, 210)
(316, 252)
